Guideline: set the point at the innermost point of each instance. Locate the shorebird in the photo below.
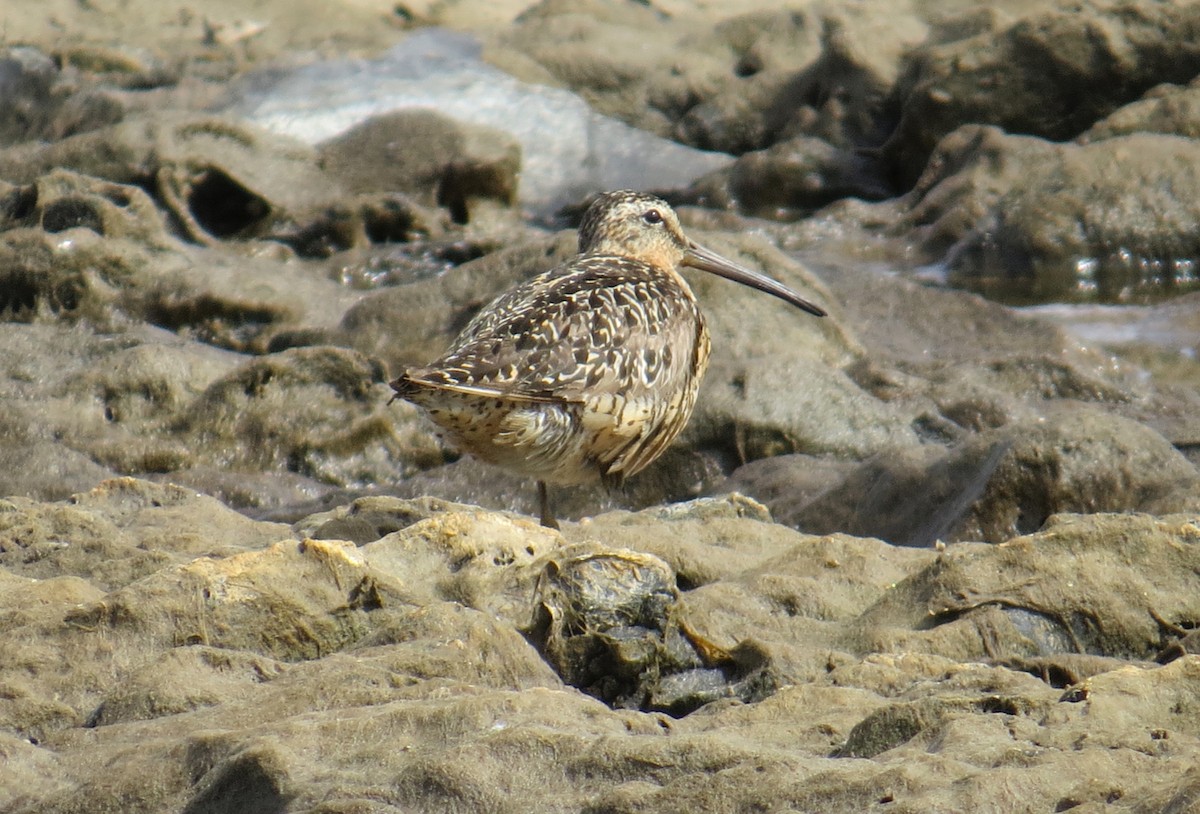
(587, 371)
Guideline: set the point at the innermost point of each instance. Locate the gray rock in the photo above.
(1000, 484)
(824, 72)
(1169, 109)
(1047, 74)
(789, 179)
(26, 78)
(1077, 231)
(567, 150)
(430, 156)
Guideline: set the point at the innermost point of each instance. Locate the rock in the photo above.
(121, 531)
(824, 72)
(298, 411)
(680, 474)
(111, 262)
(412, 324)
(217, 177)
(611, 623)
(1079, 232)
(567, 150)
(368, 519)
(612, 55)
(153, 404)
(757, 408)
(184, 679)
(1030, 77)
(731, 84)
(1168, 109)
(789, 179)
(410, 661)
(1081, 461)
(124, 66)
(188, 297)
(998, 485)
(1044, 593)
(43, 98)
(27, 77)
(1105, 241)
(62, 200)
(437, 160)
(247, 602)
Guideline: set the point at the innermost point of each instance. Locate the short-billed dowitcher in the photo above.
(591, 369)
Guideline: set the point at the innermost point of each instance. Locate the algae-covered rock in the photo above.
(1046, 74)
(1111, 585)
(286, 672)
(612, 624)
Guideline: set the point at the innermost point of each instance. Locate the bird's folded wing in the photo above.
(507, 391)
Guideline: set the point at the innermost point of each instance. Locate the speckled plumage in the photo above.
(588, 370)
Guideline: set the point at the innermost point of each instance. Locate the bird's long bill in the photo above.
(704, 259)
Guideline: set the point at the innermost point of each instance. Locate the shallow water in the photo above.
(1117, 325)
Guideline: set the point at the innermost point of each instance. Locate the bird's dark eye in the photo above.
(652, 216)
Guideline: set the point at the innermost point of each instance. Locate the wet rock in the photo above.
(435, 159)
(1168, 109)
(957, 363)
(301, 411)
(823, 72)
(1046, 592)
(368, 519)
(789, 179)
(611, 623)
(151, 403)
(122, 530)
(395, 264)
(26, 78)
(221, 180)
(756, 408)
(995, 486)
(910, 497)
(184, 679)
(368, 655)
(1078, 232)
(411, 324)
(124, 66)
(567, 149)
(486, 561)
(75, 274)
(62, 200)
(423, 677)
(1030, 77)
(218, 178)
(111, 262)
(1081, 461)
(680, 474)
(726, 83)
(894, 725)
(44, 98)
(1066, 669)
(208, 601)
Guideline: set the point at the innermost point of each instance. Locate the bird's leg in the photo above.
(544, 501)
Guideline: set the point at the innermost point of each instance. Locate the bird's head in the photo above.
(644, 227)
